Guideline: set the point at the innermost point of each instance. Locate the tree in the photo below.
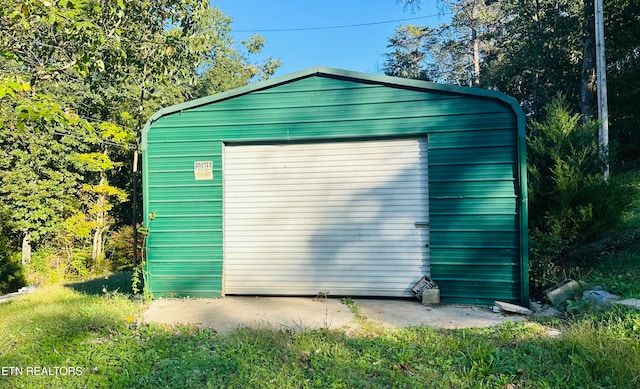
(622, 35)
(160, 53)
(11, 273)
(97, 198)
(588, 75)
(570, 204)
(148, 65)
(452, 53)
(81, 78)
(524, 48)
(222, 72)
(466, 16)
(37, 178)
(540, 55)
(410, 44)
(47, 41)
(412, 5)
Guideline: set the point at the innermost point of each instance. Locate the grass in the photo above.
(616, 261)
(613, 262)
(90, 335)
(99, 334)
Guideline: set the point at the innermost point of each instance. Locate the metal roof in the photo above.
(322, 71)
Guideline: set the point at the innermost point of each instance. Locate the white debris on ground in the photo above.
(20, 292)
(632, 303)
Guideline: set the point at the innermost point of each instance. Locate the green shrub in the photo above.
(11, 274)
(46, 266)
(119, 249)
(544, 251)
(80, 265)
(50, 265)
(570, 203)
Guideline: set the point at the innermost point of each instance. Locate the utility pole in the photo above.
(601, 85)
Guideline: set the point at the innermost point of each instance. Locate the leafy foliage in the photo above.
(37, 175)
(538, 53)
(570, 202)
(532, 50)
(12, 274)
(79, 79)
(410, 45)
(119, 249)
(453, 52)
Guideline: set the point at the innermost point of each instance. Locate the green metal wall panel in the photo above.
(179, 254)
(476, 173)
(206, 285)
(190, 268)
(462, 291)
(177, 209)
(479, 172)
(481, 207)
(475, 220)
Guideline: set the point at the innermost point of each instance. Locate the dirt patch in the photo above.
(298, 313)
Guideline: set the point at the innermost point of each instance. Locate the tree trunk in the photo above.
(26, 248)
(534, 93)
(97, 249)
(101, 221)
(476, 44)
(476, 59)
(588, 77)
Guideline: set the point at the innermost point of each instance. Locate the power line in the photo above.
(89, 138)
(337, 27)
(98, 122)
(96, 139)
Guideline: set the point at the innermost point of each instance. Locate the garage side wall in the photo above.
(473, 176)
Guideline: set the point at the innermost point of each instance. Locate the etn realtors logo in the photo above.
(41, 370)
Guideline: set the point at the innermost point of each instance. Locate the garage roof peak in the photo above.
(323, 71)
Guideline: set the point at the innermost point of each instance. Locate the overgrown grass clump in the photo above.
(101, 334)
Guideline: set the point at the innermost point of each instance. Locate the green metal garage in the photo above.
(341, 183)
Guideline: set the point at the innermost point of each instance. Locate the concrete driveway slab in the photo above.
(233, 312)
(405, 313)
(299, 313)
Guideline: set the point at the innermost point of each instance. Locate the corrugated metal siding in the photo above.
(331, 217)
(475, 225)
(184, 245)
(473, 168)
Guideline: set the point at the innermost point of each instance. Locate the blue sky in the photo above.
(358, 48)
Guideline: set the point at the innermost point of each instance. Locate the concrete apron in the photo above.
(299, 313)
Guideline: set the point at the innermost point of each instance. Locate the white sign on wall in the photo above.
(203, 170)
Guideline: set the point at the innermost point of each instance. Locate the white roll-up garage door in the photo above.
(343, 218)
